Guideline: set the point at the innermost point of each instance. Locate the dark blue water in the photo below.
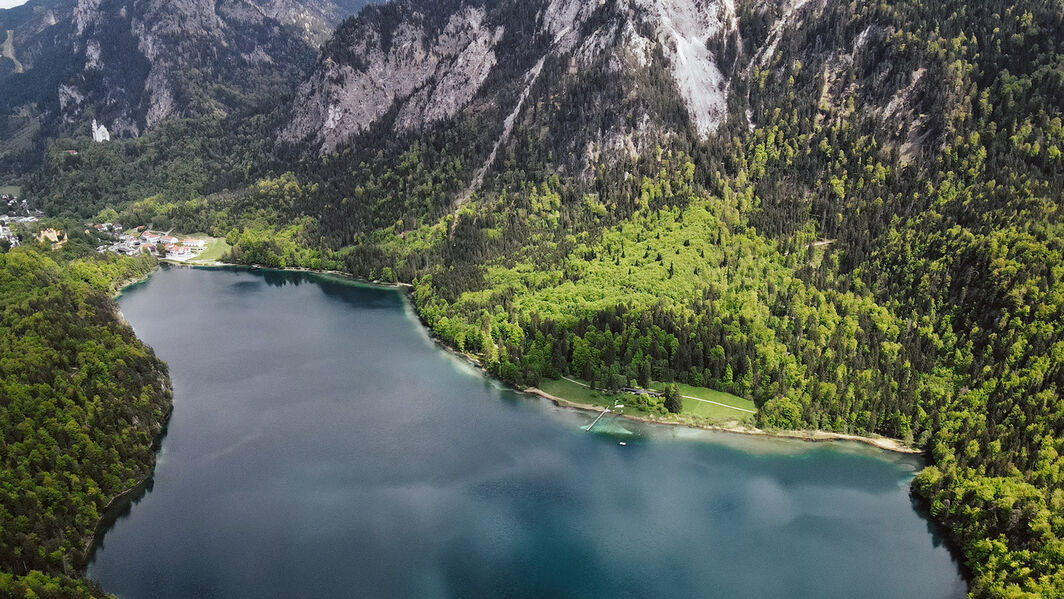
(322, 446)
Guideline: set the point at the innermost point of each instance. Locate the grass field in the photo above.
(712, 411)
(13, 190)
(216, 248)
(578, 393)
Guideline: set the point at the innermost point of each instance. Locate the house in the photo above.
(177, 251)
(168, 240)
(637, 391)
(194, 243)
(149, 237)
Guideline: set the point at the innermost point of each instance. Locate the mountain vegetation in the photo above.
(866, 238)
(136, 66)
(876, 248)
(82, 402)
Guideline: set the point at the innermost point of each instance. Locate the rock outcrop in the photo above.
(136, 64)
(412, 65)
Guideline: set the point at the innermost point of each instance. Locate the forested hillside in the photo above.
(82, 402)
(868, 240)
(872, 244)
(944, 200)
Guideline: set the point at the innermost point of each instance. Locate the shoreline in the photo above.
(335, 273)
(810, 436)
(120, 288)
(107, 513)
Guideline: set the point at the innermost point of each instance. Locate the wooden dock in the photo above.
(588, 429)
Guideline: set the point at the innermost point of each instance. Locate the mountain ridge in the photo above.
(135, 65)
(332, 106)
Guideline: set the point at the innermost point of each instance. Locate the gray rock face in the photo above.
(315, 20)
(137, 63)
(684, 29)
(416, 73)
(432, 78)
(176, 35)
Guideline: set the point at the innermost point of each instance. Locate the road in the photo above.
(716, 403)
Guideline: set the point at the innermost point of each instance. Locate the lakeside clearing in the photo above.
(211, 255)
(701, 402)
(713, 404)
(216, 248)
(703, 408)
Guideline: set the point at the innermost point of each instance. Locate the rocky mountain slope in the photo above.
(314, 19)
(566, 87)
(409, 66)
(133, 65)
(590, 80)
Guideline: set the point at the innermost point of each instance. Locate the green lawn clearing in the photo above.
(216, 248)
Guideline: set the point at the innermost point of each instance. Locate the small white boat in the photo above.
(623, 443)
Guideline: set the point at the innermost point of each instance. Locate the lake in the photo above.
(322, 445)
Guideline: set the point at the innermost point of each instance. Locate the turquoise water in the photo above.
(322, 446)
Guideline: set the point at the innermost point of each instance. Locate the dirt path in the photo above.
(7, 50)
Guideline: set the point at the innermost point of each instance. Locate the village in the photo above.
(14, 211)
(17, 225)
(141, 239)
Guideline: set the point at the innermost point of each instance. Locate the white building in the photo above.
(100, 133)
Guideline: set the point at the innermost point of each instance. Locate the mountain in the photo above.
(133, 65)
(407, 67)
(846, 212)
(566, 87)
(314, 19)
(591, 81)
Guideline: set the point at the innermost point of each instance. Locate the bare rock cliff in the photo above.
(410, 65)
(431, 76)
(136, 64)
